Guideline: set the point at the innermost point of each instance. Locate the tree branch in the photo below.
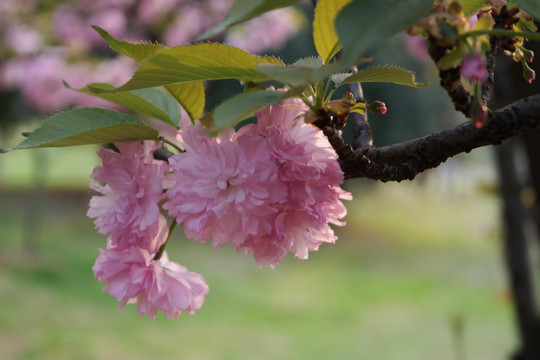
(363, 136)
(405, 160)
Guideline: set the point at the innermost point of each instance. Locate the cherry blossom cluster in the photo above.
(128, 211)
(268, 189)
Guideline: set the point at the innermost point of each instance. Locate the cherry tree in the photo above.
(271, 186)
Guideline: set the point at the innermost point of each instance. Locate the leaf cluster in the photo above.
(172, 77)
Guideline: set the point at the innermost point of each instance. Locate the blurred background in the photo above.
(419, 271)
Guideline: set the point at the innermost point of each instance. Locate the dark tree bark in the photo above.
(516, 255)
(516, 216)
(405, 160)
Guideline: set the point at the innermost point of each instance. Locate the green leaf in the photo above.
(290, 75)
(303, 72)
(244, 105)
(138, 52)
(454, 57)
(470, 7)
(83, 126)
(150, 102)
(191, 96)
(311, 62)
(197, 62)
(324, 34)
(243, 10)
(363, 23)
(340, 77)
(384, 74)
(530, 6)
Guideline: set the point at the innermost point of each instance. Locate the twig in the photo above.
(405, 160)
(363, 136)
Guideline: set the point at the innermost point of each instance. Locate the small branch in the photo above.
(363, 136)
(405, 160)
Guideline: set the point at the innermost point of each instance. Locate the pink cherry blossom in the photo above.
(133, 276)
(473, 68)
(269, 189)
(308, 167)
(128, 205)
(224, 188)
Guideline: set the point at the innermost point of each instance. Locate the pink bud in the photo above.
(473, 68)
(479, 113)
(528, 73)
(378, 107)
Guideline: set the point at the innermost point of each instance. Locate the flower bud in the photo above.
(377, 107)
(528, 55)
(528, 73)
(479, 111)
(479, 115)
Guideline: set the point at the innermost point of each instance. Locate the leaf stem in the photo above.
(172, 144)
(161, 250)
(502, 32)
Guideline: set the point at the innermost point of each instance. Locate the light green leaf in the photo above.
(150, 102)
(363, 23)
(244, 105)
(470, 7)
(324, 34)
(197, 62)
(454, 57)
(311, 62)
(243, 10)
(138, 52)
(290, 75)
(340, 77)
(83, 126)
(304, 71)
(384, 74)
(530, 6)
(191, 96)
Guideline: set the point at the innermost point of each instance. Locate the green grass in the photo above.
(407, 265)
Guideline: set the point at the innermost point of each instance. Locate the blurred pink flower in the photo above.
(128, 205)
(41, 82)
(149, 12)
(23, 39)
(269, 31)
(132, 276)
(190, 20)
(473, 68)
(73, 25)
(417, 47)
(11, 73)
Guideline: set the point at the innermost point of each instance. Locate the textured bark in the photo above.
(516, 256)
(405, 160)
